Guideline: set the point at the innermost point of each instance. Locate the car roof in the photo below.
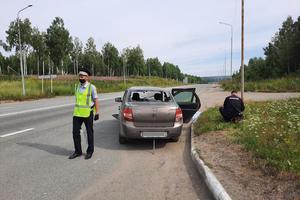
(147, 88)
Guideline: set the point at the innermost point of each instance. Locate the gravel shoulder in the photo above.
(233, 166)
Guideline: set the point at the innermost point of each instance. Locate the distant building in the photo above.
(185, 80)
(215, 79)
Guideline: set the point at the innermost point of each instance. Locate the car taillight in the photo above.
(127, 114)
(178, 115)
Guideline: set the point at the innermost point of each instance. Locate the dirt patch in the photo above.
(235, 169)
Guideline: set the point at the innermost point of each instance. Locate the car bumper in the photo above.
(128, 130)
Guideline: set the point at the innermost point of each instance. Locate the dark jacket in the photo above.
(233, 105)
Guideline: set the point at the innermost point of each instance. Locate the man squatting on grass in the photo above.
(85, 111)
(232, 108)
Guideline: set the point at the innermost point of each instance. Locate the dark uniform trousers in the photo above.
(88, 122)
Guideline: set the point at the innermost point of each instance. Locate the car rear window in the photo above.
(150, 96)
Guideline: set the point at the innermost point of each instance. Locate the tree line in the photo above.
(282, 54)
(56, 52)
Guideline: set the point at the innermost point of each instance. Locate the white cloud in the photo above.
(186, 33)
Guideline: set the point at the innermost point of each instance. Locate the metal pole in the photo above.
(231, 45)
(21, 59)
(225, 65)
(124, 72)
(231, 53)
(21, 51)
(43, 76)
(242, 54)
(51, 82)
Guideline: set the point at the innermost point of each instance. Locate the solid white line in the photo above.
(33, 110)
(44, 108)
(14, 133)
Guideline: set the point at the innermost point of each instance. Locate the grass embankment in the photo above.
(271, 130)
(11, 87)
(285, 84)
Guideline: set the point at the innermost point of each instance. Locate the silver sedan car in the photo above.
(152, 112)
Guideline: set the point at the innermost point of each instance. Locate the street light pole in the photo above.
(242, 54)
(21, 51)
(124, 71)
(231, 41)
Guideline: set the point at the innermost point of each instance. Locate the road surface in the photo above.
(36, 140)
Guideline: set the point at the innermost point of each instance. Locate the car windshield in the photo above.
(150, 96)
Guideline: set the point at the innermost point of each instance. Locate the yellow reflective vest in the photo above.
(83, 99)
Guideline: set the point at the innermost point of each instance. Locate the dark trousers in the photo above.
(88, 122)
(229, 117)
(225, 117)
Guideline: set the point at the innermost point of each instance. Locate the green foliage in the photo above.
(76, 53)
(38, 42)
(282, 55)
(2, 63)
(171, 71)
(58, 41)
(211, 120)
(154, 67)
(284, 84)
(135, 61)
(270, 130)
(111, 59)
(92, 59)
(13, 34)
(11, 86)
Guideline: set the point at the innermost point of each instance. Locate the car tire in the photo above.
(175, 139)
(122, 140)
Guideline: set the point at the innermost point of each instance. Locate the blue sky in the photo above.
(184, 32)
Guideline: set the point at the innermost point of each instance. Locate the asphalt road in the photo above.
(36, 140)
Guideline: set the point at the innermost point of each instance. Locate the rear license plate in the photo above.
(154, 134)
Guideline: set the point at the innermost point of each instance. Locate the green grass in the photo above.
(271, 130)
(11, 87)
(285, 84)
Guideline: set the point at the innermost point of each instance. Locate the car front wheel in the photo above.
(175, 139)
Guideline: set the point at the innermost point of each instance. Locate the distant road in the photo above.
(36, 140)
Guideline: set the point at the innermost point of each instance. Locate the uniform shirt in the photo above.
(94, 92)
(232, 106)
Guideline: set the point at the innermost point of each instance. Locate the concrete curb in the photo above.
(211, 181)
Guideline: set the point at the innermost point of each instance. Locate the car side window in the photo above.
(185, 96)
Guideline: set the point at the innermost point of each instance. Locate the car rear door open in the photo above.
(188, 101)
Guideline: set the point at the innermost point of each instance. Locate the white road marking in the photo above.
(17, 132)
(33, 110)
(44, 108)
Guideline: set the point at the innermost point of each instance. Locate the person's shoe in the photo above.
(74, 155)
(88, 156)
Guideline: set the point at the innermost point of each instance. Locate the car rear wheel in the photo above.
(122, 140)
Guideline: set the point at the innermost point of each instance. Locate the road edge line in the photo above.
(210, 179)
(16, 132)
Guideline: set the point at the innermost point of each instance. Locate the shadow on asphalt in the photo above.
(197, 181)
(106, 136)
(52, 149)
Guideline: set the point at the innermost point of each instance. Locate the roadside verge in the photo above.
(211, 181)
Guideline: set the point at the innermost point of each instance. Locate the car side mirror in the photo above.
(118, 99)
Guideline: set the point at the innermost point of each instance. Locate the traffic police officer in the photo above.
(86, 110)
